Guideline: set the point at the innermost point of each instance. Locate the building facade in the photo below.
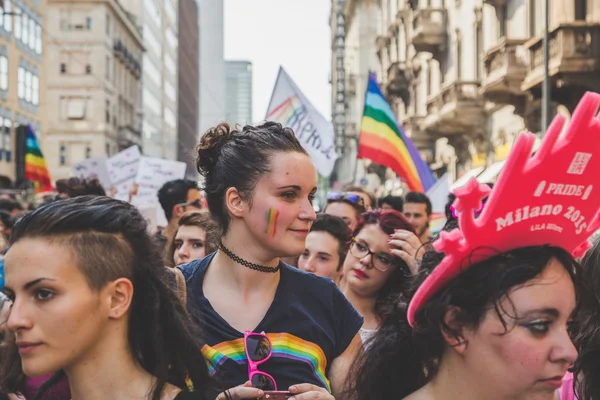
(157, 20)
(238, 92)
(22, 76)
(188, 87)
(94, 82)
(464, 77)
(212, 63)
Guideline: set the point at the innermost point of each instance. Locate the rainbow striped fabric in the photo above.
(383, 141)
(285, 345)
(35, 165)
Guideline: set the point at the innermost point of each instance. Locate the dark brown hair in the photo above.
(202, 220)
(229, 157)
(74, 187)
(110, 240)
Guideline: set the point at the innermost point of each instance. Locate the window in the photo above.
(21, 83)
(76, 108)
(63, 154)
(24, 29)
(63, 68)
(32, 26)
(502, 22)
(3, 73)
(107, 24)
(7, 137)
(458, 55)
(1, 19)
(28, 84)
(35, 87)
(17, 24)
(478, 52)
(107, 67)
(580, 10)
(7, 16)
(38, 39)
(170, 92)
(107, 149)
(88, 152)
(107, 112)
(88, 69)
(88, 23)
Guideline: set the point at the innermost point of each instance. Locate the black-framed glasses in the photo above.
(343, 196)
(380, 261)
(196, 203)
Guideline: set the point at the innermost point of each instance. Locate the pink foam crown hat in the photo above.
(551, 198)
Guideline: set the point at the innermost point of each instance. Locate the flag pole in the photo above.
(546, 87)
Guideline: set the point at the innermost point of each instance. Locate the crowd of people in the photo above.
(367, 305)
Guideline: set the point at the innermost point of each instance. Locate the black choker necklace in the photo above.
(245, 263)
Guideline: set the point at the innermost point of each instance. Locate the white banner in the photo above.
(93, 168)
(292, 109)
(123, 168)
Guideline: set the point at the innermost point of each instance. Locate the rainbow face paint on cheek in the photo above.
(272, 215)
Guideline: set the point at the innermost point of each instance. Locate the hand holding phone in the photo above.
(276, 396)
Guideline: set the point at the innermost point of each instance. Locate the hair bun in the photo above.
(209, 148)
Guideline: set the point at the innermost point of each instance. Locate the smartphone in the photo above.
(277, 396)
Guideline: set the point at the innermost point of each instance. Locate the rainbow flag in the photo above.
(383, 141)
(35, 165)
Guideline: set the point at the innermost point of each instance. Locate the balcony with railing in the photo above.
(574, 61)
(429, 30)
(457, 110)
(504, 72)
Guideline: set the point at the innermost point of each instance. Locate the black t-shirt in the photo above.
(189, 396)
(309, 323)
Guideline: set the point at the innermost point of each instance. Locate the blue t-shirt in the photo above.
(310, 323)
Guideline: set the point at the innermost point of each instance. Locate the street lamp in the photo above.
(546, 87)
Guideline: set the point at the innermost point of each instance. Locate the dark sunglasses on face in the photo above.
(342, 196)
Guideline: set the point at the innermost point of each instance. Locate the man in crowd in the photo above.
(176, 197)
(417, 209)
(392, 203)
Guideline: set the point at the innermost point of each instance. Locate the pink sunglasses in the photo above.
(258, 350)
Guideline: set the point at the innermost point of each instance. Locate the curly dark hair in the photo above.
(229, 157)
(401, 360)
(587, 338)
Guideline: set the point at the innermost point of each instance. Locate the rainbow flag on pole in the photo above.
(35, 165)
(383, 141)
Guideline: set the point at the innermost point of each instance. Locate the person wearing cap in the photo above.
(490, 312)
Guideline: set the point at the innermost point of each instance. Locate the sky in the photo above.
(292, 33)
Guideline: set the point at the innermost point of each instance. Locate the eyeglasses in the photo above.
(195, 203)
(258, 350)
(381, 262)
(341, 196)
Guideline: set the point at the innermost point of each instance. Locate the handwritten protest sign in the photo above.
(152, 174)
(123, 168)
(93, 168)
(155, 172)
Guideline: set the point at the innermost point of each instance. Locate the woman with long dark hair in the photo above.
(490, 313)
(260, 183)
(586, 370)
(90, 299)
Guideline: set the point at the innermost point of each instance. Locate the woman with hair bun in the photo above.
(260, 183)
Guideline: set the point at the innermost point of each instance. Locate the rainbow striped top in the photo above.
(310, 323)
